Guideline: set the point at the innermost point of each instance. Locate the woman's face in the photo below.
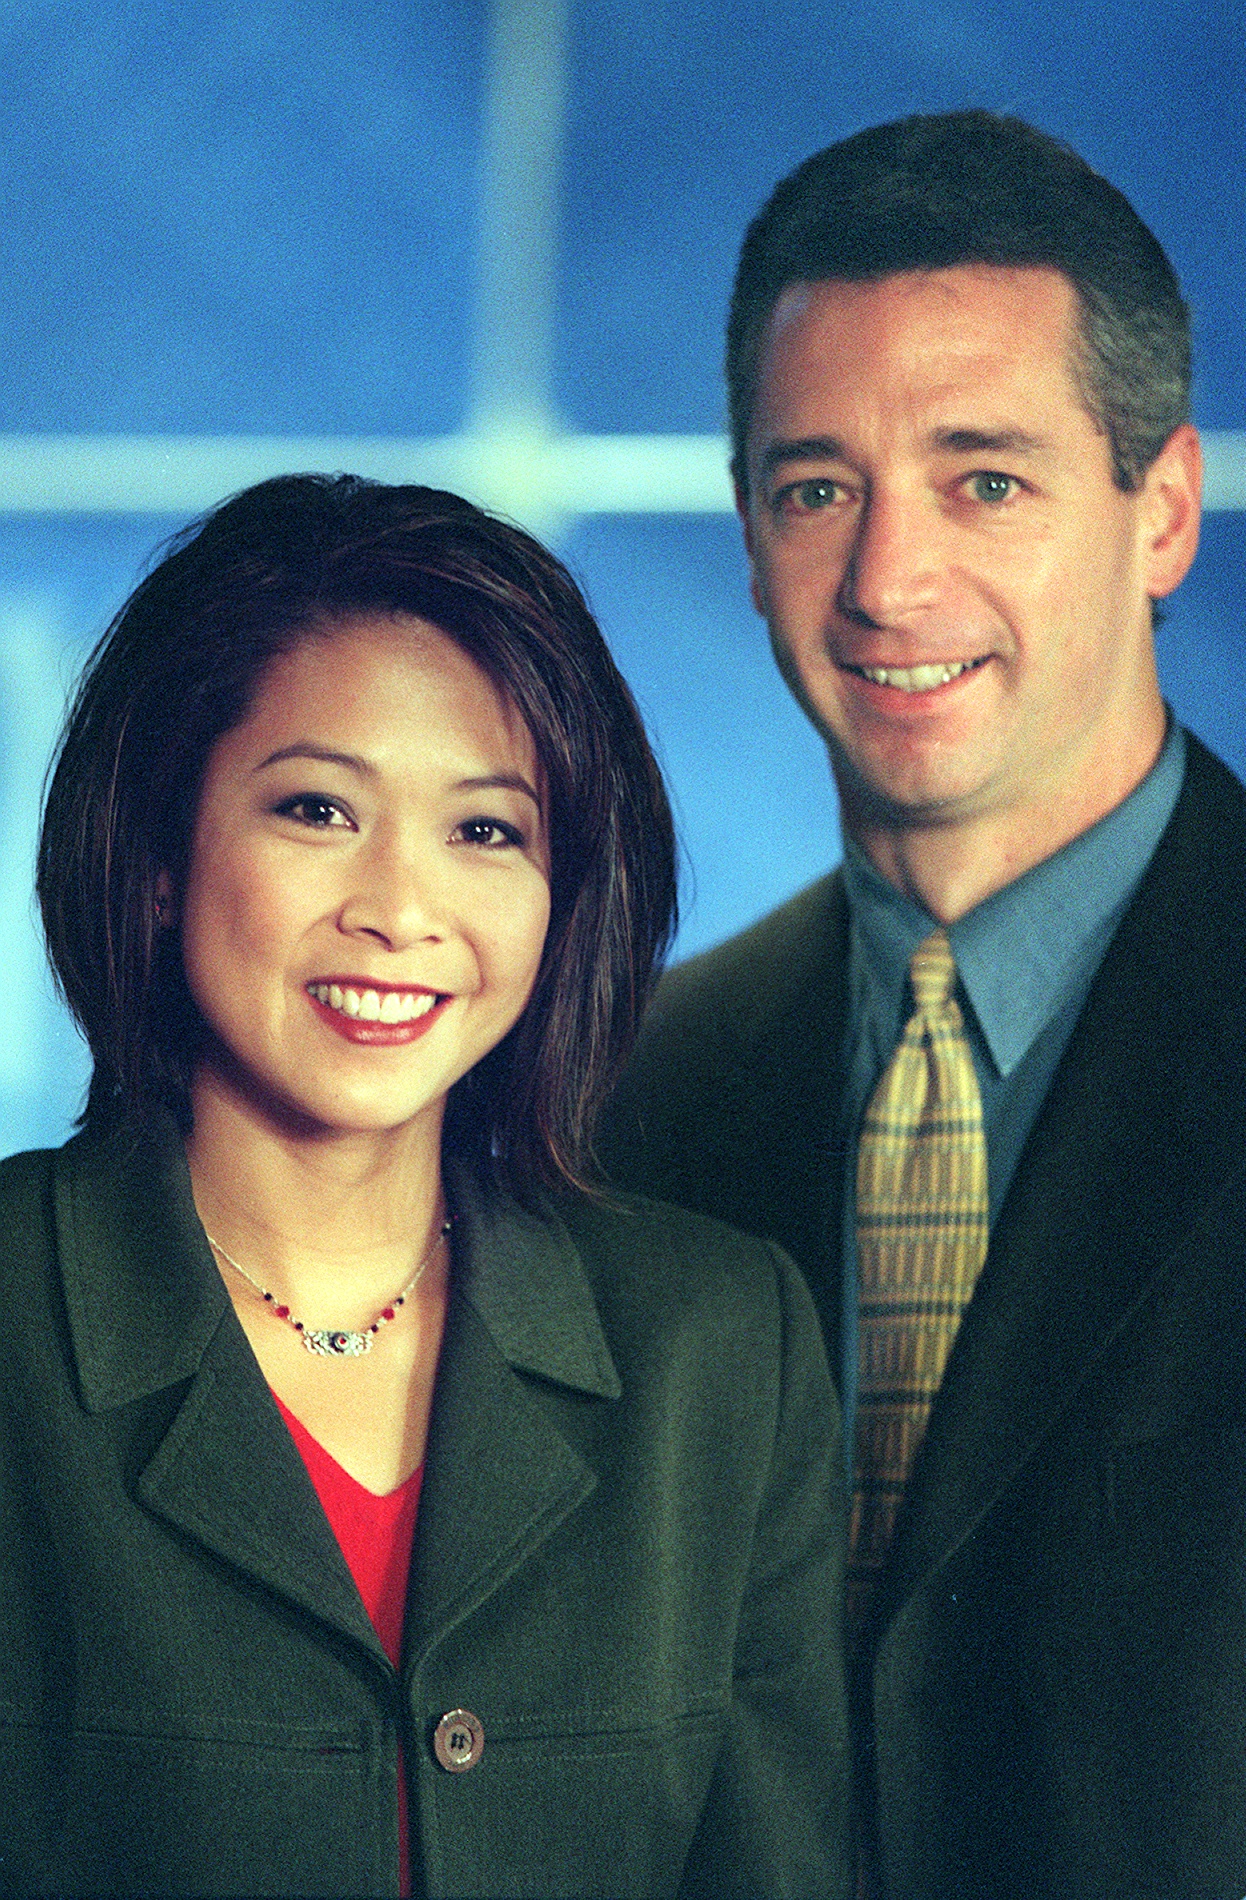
(368, 889)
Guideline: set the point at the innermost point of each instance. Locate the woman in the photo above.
(354, 870)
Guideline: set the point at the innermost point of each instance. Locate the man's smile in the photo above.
(917, 679)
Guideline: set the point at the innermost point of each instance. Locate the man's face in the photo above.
(956, 590)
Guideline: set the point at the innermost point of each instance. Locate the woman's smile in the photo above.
(365, 909)
(375, 1013)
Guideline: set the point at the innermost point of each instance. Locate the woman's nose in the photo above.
(396, 897)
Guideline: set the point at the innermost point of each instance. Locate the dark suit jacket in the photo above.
(1053, 1700)
(626, 1565)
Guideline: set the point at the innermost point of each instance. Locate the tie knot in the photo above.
(932, 971)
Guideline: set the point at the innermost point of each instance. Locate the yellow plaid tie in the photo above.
(921, 1240)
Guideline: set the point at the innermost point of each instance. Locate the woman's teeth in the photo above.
(374, 1006)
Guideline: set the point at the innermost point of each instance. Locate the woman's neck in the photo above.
(333, 1218)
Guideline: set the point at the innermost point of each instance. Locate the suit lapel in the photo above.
(500, 1477)
(151, 1322)
(1104, 1194)
(229, 1475)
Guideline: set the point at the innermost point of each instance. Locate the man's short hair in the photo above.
(970, 187)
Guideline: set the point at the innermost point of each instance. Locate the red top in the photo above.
(376, 1535)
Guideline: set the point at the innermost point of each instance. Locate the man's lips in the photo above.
(928, 677)
(375, 1012)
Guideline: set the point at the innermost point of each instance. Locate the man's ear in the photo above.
(1171, 496)
(746, 526)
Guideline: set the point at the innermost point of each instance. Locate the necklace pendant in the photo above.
(337, 1344)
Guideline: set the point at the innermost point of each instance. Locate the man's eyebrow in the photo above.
(808, 448)
(988, 442)
(324, 755)
(828, 448)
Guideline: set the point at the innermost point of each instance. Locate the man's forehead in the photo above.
(910, 339)
(977, 294)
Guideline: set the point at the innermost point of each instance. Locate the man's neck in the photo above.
(951, 865)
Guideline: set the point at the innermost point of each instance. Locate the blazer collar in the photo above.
(501, 1475)
(142, 1291)
(144, 1296)
(523, 1274)
(148, 1311)
(1143, 1122)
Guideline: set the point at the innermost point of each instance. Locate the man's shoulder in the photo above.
(729, 1100)
(1211, 795)
(1194, 890)
(774, 966)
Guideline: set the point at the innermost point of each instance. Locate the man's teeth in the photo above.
(917, 679)
(375, 1006)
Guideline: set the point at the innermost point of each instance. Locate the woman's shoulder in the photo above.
(25, 1187)
(614, 1218)
(29, 1251)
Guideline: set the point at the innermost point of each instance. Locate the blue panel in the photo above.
(678, 133)
(238, 218)
(1202, 642)
(752, 788)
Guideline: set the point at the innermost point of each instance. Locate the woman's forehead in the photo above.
(383, 687)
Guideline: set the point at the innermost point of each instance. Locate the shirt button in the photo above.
(459, 1741)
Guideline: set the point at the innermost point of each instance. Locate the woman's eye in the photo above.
(988, 485)
(313, 809)
(492, 833)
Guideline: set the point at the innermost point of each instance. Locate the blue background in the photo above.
(264, 219)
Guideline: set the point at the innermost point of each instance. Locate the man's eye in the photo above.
(988, 485)
(312, 808)
(492, 833)
(803, 498)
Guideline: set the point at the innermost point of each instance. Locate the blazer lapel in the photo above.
(229, 1474)
(500, 1477)
(1144, 1118)
(151, 1321)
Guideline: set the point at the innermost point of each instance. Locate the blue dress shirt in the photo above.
(1026, 957)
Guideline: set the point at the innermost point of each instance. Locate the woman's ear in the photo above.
(166, 906)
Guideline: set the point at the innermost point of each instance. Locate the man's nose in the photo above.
(896, 561)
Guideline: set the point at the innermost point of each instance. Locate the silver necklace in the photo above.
(337, 1342)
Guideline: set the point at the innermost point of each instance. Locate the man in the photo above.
(958, 368)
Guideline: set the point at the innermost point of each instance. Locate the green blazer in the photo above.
(1052, 1701)
(627, 1568)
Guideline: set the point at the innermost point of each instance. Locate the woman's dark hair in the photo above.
(179, 667)
(973, 187)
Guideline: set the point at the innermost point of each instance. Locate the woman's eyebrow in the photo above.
(325, 755)
(307, 749)
(500, 781)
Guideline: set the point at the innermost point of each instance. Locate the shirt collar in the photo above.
(1025, 950)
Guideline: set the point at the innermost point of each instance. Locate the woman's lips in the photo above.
(373, 1013)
